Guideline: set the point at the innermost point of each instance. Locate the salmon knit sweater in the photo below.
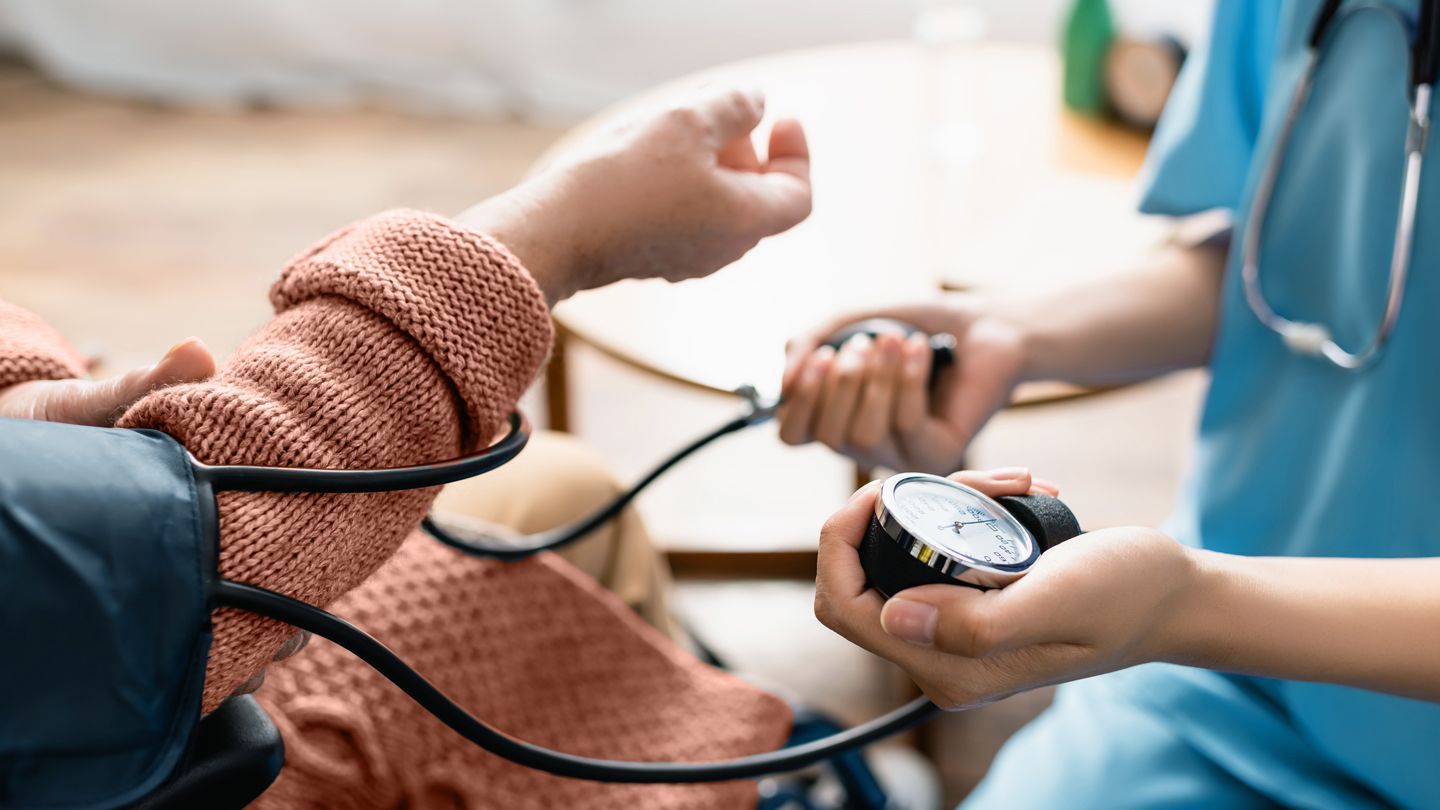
(401, 339)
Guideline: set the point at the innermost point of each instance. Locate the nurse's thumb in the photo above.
(949, 618)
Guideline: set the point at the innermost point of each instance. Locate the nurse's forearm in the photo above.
(1374, 624)
(1157, 318)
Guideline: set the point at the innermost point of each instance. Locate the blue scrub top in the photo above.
(1297, 457)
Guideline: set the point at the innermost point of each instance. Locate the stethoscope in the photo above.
(1312, 338)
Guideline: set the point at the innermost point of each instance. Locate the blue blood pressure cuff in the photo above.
(108, 547)
(106, 558)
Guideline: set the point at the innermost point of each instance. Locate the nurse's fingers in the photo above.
(845, 604)
(912, 395)
(841, 392)
(796, 414)
(843, 601)
(996, 482)
(946, 617)
(872, 423)
(979, 385)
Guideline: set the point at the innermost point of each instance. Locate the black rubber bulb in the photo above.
(942, 345)
(1047, 518)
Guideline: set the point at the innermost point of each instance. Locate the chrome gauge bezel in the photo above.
(957, 565)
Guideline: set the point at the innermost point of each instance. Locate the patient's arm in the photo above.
(408, 337)
(404, 338)
(32, 350)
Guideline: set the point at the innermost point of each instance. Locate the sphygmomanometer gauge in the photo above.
(932, 530)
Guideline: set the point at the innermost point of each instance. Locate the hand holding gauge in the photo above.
(932, 530)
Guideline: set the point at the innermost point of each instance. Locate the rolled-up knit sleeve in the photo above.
(402, 339)
(31, 349)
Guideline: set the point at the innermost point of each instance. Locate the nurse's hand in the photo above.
(871, 402)
(1100, 602)
(676, 194)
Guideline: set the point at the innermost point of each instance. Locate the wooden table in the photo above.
(931, 167)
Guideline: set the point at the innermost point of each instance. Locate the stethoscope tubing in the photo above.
(1312, 338)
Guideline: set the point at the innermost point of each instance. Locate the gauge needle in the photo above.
(960, 524)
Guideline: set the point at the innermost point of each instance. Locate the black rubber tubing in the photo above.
(370, 650)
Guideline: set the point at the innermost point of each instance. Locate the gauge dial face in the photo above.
(959, 522)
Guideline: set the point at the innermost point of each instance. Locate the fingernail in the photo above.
(862, 490)
(915, 352)
(1009, 473)
(1044, 483)
(176, 348)
(852, 354)
(910, 621)
(815, 369)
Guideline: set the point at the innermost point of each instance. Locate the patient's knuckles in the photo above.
(684, 120)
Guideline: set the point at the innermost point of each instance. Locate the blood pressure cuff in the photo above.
(105, 566)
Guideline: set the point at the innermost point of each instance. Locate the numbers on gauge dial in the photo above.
(958, 522)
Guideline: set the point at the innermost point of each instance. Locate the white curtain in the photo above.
(541, 58)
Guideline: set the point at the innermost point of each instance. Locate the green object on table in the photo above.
(1088, 33)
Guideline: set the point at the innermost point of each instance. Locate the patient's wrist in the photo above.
(532, 224)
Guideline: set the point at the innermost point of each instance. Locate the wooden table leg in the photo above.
(557, 383)
(863, 475)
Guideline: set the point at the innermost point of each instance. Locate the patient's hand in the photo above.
(676, 194)
(100, 402)
(871, 401)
